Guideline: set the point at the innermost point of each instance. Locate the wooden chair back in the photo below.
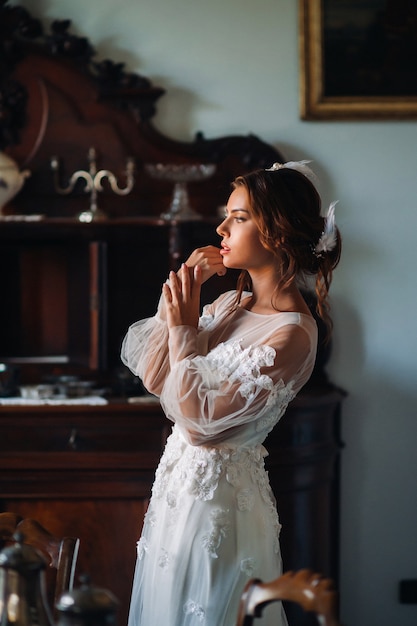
(310, 590)
(60, 552)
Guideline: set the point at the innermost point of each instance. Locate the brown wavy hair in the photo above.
(286, 207)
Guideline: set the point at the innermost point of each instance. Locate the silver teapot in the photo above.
(87, 606)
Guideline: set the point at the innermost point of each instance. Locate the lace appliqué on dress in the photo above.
(245, 500)
(201, 468)
(206, 319)
(150, 517)
(248, 566)
(276, 405)
(142, 548)
(164, 559)
(192, 608)
(220, 526)
(198, 470)
(237, 364)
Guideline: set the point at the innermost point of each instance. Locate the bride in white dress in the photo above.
(224, 379)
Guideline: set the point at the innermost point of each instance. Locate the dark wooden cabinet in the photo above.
(71, 290)
(84, 471)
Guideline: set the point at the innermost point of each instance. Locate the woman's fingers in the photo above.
(210, 261)
(198, 276)
(185, 282)
(182, 296)
(189, 281)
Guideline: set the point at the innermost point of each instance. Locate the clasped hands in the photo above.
(182, 293)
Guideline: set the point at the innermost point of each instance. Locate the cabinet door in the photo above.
(108, 526)
(45, 313)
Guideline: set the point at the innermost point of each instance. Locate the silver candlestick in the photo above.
(94, 183)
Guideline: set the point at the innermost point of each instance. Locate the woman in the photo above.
(225, 379)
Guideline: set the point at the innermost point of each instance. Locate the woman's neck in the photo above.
(267, 299)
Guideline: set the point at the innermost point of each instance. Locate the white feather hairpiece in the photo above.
(298, 166)
(328, 238)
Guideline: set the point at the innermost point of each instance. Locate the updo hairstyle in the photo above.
(287, 209)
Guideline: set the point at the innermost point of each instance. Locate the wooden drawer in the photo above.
(111, 428)
(75, 451)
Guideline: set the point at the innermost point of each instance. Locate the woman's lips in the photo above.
(224, 249)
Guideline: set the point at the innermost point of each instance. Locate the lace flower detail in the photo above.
(192, 608)
(168, 461)
(171, 499)
(233, 473)
(237, 364)
(281, 394)
(220, 528)
(204, 476)
(245, 500)
(276, 404)
(142, 548)
(205, 320)
(150, 517)
(163, 560)
(247, 566)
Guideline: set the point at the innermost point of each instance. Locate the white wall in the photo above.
(231, 66)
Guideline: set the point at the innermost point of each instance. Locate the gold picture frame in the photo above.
(364, 85)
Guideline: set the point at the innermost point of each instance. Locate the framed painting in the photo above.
(358, 59)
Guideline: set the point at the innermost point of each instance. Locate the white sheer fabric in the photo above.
(212, 521)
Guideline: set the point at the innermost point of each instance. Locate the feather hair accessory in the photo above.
(298, 166)
(328, 238)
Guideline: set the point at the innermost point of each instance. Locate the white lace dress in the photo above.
(212, 521)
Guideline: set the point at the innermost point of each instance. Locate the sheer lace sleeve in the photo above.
(145, 351)
(210, 393)
(145, 347)
(236, 382)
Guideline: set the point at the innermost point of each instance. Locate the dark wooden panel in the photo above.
(108, 530)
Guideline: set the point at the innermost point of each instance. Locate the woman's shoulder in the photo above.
(299, 324)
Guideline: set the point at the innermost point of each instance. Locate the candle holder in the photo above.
(180, 174)
(93, 180)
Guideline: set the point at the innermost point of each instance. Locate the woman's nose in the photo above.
(221, 229)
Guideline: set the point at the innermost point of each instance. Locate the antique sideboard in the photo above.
(70, 289)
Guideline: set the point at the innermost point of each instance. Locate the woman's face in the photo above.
(241, 247)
